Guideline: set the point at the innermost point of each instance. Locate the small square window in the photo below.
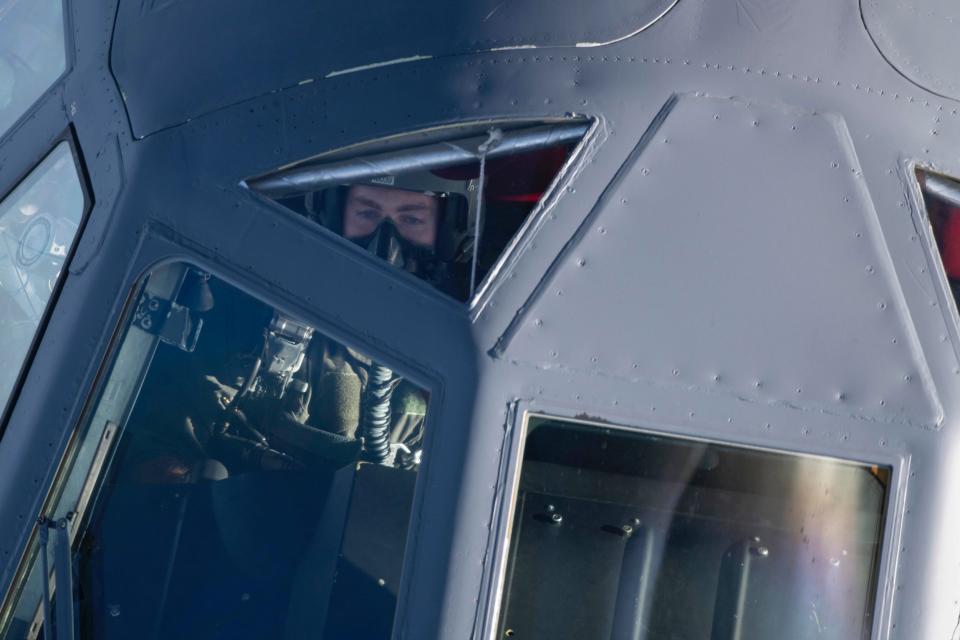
(445, 211)
(623, 534)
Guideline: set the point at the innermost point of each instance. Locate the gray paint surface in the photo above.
(919, 40)
(762, 205)
(299, 43)
(780, 293)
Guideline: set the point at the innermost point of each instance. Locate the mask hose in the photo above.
(376, 416)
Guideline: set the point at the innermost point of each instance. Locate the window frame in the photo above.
(411, 141)
(68, 135)
(950, 310)
(278, 300)
(514, 249)
(517, 427)
(69, 60)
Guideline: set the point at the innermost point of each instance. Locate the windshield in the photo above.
(32, 54)
(623, 534)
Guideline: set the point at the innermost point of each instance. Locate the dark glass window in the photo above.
(941, 197)
(444, 211)
(622, 534)
(242, 476)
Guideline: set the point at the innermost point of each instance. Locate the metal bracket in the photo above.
(173, 323)
(62, 613)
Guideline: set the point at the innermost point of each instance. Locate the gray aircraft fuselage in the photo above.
(740, 253)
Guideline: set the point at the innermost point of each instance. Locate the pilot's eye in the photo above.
(411, 221)
(368, 214)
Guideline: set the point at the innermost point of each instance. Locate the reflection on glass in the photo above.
(32, 54)
(38, 222)
(619, 534)
(242, 476)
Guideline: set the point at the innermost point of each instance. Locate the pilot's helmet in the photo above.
(435, 245)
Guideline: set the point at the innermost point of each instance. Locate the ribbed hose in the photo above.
(376, 417)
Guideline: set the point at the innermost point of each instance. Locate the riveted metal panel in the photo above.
(919, 40)
(783, 292)
(300, 42)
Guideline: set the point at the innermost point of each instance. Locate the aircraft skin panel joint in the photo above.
(853, 273)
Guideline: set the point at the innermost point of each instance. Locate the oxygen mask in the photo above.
(387, 243)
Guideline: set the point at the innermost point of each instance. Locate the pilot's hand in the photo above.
(206, 403)
(221, 393)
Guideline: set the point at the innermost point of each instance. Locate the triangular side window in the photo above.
(443, 206)
(941, 198)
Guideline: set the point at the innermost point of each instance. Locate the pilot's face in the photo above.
(413, 214)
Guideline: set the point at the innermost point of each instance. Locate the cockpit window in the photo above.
(32, 54)
(445, 211)
(621, 534)
(242, 476)
(941, 196)
(38, 224)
